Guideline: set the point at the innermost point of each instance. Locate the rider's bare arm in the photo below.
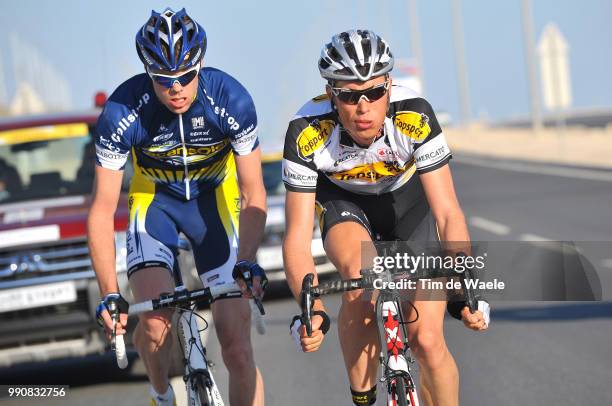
(252, 204)
(297, 254)
(101, 227)
(440, 192)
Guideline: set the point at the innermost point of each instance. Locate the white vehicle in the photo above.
(270, 254)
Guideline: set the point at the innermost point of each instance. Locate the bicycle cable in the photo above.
(191, 312)
(416, 314)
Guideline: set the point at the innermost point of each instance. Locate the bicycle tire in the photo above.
(406, 392)
(398, 391)
(202, 391)
(207, 390)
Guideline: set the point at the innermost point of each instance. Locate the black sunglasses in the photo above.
(350, 96)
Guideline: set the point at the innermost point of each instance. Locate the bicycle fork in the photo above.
(196, 366)
(395, 355)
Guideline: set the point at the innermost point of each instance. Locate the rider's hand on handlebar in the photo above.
(251, 279)
(113, 302)
(302, 341)
(479, 320)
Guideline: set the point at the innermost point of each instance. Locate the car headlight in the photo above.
(120, 251)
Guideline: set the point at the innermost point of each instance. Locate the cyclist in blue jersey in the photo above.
(370, 157)
(192, 135)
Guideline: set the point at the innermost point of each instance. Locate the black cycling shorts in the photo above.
(403, 214)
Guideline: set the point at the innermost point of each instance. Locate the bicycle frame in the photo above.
(200, 385)
(197, 369)
(199, 381)
(395, 357)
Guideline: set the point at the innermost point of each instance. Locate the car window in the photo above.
(47, 161)
(272, 176)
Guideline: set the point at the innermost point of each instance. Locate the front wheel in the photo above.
(207, 391)
(202, 393)
(403, 393)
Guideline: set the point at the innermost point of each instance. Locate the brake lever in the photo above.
(249, 284)
(307, 303)
(470, 299)
(259, 306)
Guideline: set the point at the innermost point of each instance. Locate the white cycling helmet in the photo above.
(355, 55)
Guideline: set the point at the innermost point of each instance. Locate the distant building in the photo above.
(26, 101)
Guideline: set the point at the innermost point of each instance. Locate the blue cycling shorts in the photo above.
(210, 222)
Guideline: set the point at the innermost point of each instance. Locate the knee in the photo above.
(348, 266)
(429, 347)
(238, 356)
(154, 326)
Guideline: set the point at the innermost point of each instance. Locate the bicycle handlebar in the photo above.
(470, 297)
(177, 299)
(307, 302)
(118, 344)
(310, 293)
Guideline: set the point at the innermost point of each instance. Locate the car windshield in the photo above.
(46, 161)
(273, 181)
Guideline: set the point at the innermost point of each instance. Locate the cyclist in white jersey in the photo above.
(372, 159)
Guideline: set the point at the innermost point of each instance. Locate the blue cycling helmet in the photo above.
(170, 41)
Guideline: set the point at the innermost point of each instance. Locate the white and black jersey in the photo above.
(316, 146)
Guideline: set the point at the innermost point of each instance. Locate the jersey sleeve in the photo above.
(299, 171)
(416, 119)
(239, 118)
(112, 145)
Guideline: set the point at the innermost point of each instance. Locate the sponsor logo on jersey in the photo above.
(245, 140)
(108, 144)
(347, 157)
(314, 137)
(387, 152)
(244, 132)
(126, 122)
(202, 139)
(412, 124)
(320, 98)
(370, 173)
(197, 123)
(220, 111)
(199, 152)
(212, 173)
(110, 155)
(303, 179)
(433, 155)
(163, 137)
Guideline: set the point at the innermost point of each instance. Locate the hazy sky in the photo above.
(272, 46)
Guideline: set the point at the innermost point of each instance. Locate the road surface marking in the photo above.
(607, 263)
(490, 226)
(533, 237)
(541, 169)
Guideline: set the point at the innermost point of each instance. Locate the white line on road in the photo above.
(490, 226)
(542, 169)
(533, 237)
(607, 263)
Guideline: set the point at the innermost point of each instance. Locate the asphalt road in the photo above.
(534, 353)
